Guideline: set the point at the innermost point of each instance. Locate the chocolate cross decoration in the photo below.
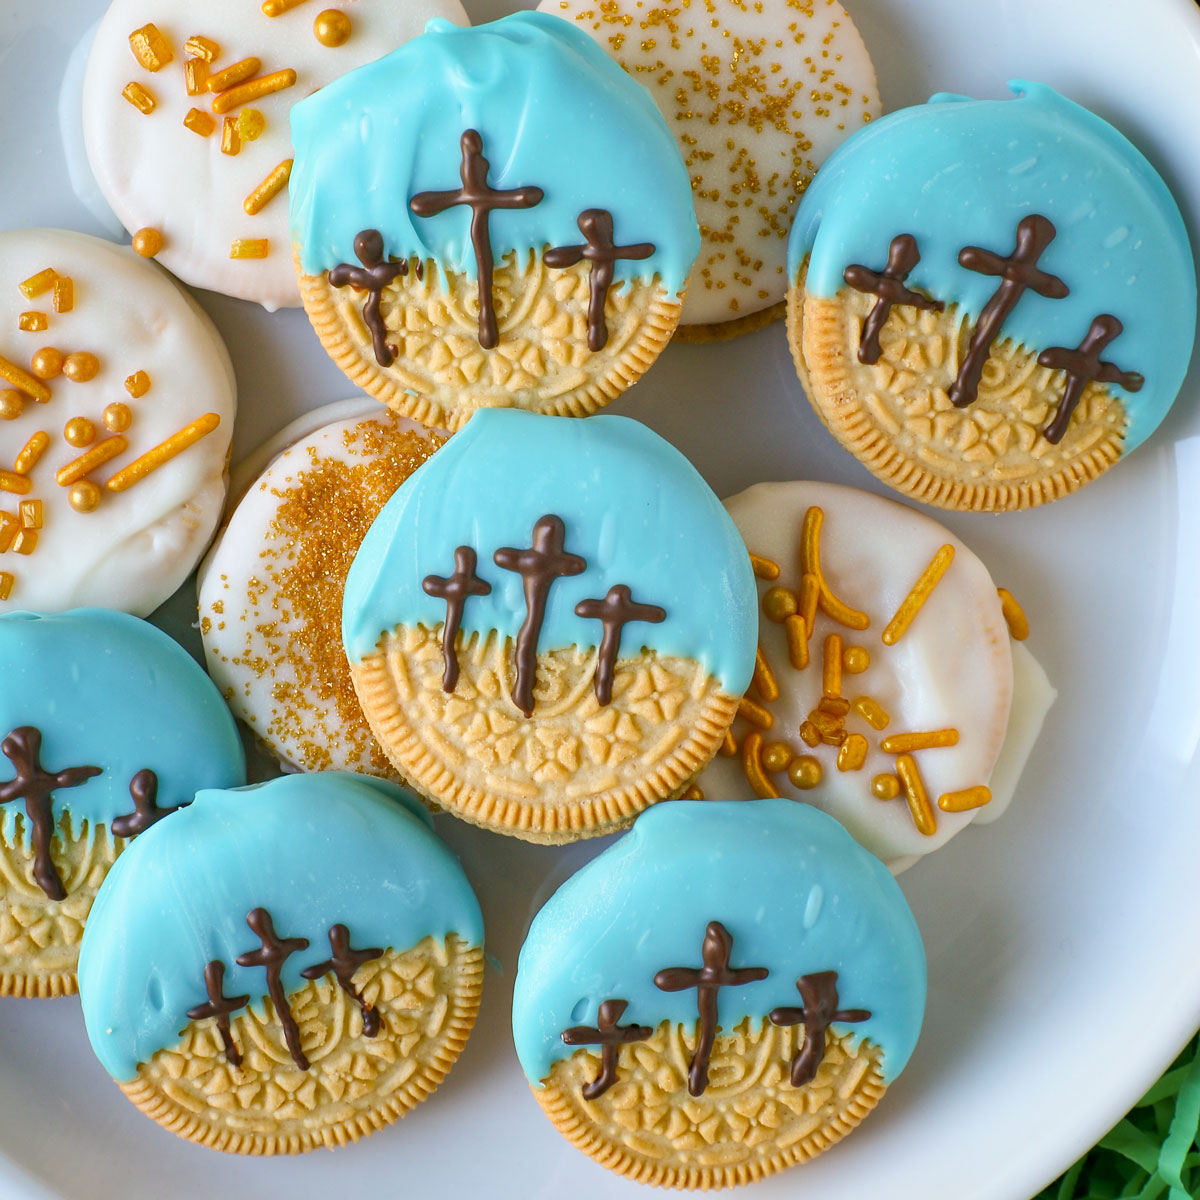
(455, 590)
(708, 980)
(615, 611)
(610, 1037)
(36, 786)
(373, 276)
(1018, 274)
(482, 200)
(818, 992)
(1083, 365)
(220, 1006)
(274, 953)
(539, 566)
(888, 285)
(344, 962)
(143, 788)
(596, 225)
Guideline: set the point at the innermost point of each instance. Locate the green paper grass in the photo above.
(1154, 1153)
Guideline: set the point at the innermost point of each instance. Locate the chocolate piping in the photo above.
(220, 1006)
(615, 611)
(1018, 274)
(707, 980)
(482, 200)
(344, 962)
(610, 1037)
(373, 276)
(819, 995)
(275, 951)
(1083, 365)
(539, 566)
(596, 225)
(36, 786)
(888, 285)
(143, 788)
(455, 590)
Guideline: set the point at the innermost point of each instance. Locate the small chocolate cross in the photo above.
(373, 276)
(596, 225)
(610, 1037)
(482, 201)
(220, 1006)
(143, 788)
(888, 285)
(818, 992)
(708, 981)
(344, 962)
(1083, 365)
(539, 566)
(36, 786)
(274, 953)
(1018, 274)
(615, 611)
(455, 590)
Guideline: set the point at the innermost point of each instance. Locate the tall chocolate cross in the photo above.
(888, 285)
(708, 980)
(819, 994)
(615, 611)
(455, 590)
(220, 1006)
(539, 566)
(1018, 273)
(36, 786)
(343, 963)
(482, 200)
(1082, 365)
(143, 788)
(610, 1037)
(596, 225)
(274, 953)
(373, 276)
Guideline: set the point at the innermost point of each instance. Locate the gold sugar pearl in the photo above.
(47, 362)
(147, 242)
(779, 603)
(885, 787)
(12, 404)
(117, 418)
(805, 772)
(84, 496)
(332, 27)
(777, 756)
(855, 660)
(79, 432)
(80, 367)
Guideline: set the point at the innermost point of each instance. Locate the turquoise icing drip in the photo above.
(632, 505)
(111, 691)
(957, 172)
(554, 111)
(797, 893)
(314, 850)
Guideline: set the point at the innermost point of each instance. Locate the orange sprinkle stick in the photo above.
(915, 794)
(23, 381)
(728, 747)
(10, 481)
(231, 76)
(764, 677)
(95, 456)
(177, 443)
(967, 799)
(906, 743)
(254, 89)
(796, 633)
(270, 187)
(752, 765)
(809, 598)
(764, 568)
(831, 666)
(871, 712)
(1014, 615)
(31, 452)
(915, 600)
(755, 714)
(810, 558)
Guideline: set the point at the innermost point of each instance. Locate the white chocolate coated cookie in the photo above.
(949, 673)
(85, 518)
(758, 96)
(271, 589)
(156, 172)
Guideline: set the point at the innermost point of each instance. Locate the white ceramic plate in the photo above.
(1063, 973)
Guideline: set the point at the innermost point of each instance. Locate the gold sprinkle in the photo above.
(47, 363)
(231, 140)
(141, 98)
(906, 743)
(237, 73)
(764, 568)
(870, 712)
(752, 766)
(12, 404)
(243, 93)
(7, 579)
(276, 8)
(32, 322)
(31, 452)
(177, 443)
(84, 496)
(755, 713)
(835, 706)
(203, 48)
(777, 756)
(64, 294)
(728, 747)
(31, 514)
(810, 597)
(332, 28)
(35, 285)
(147, 242)
(250, 124)
(809, 734)
(23, 381)
(855, 660)
(828, 726)
(796, 632)
(779, 603)
(764, 677)
(885, 787)
(967, 799)
(81, 367)
(853, 753)
(913, 602)
(25, 542)
(138, 384)
(692, 793)
(1014, 615)
(914, 793)
(117, 418)
(150, 48)
(10, 481)
(9, 527)
(90, 459)
(248, 248)
(831, 666)
(195, 76)
(805, 772)
(199, 122)
(270, 187)
(810, 557)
